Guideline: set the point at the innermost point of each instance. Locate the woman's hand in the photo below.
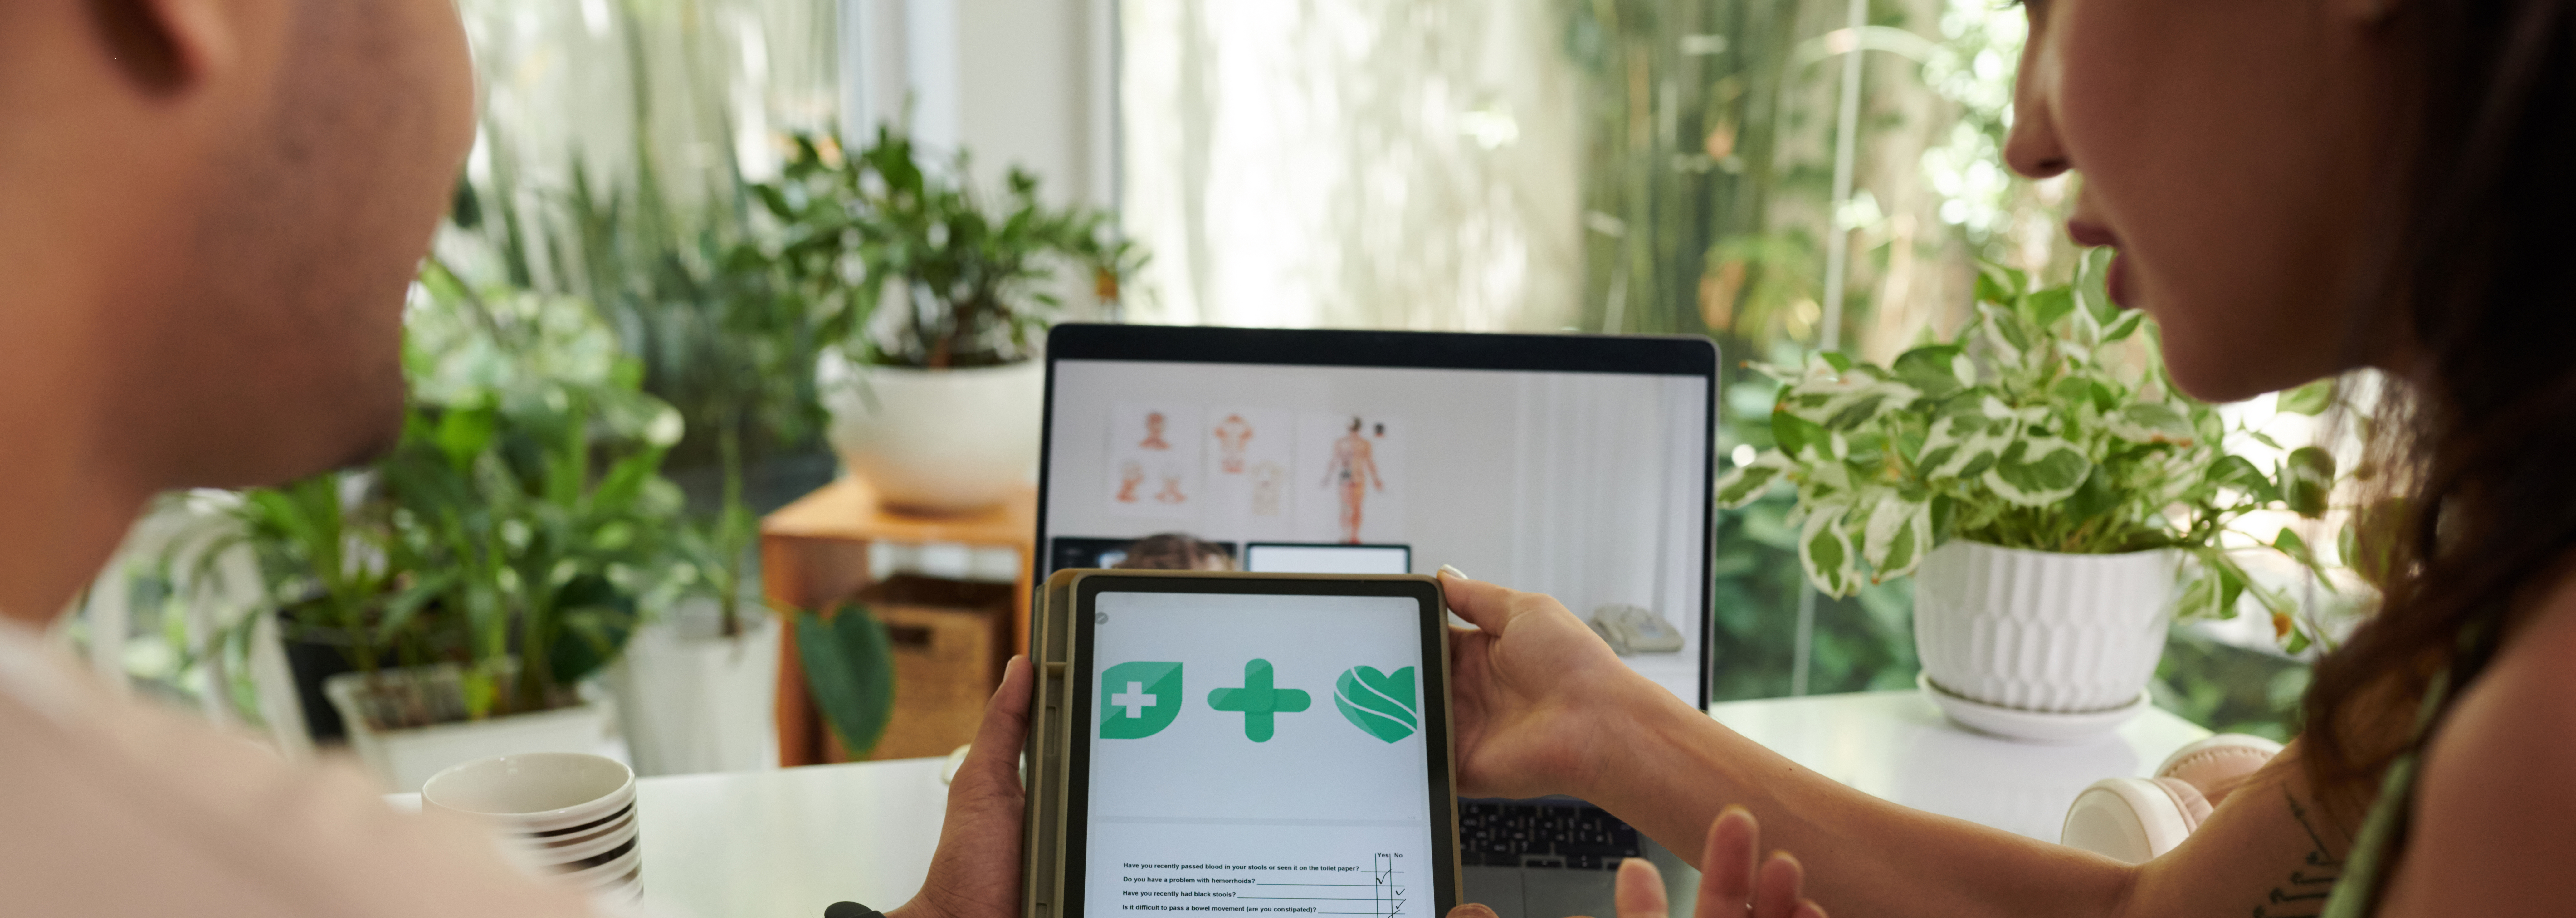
(1537, 699)
(975, 873)
(1730, 885)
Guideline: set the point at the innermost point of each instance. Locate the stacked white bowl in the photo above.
(565, 815)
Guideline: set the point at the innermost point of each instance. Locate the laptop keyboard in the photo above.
(1570, 836)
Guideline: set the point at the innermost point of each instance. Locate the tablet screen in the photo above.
(1260, 754)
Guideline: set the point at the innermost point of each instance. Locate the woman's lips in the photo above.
(2094, 235)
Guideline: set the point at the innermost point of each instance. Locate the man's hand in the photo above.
(1730, 885)
(1536, 697)
(975, 873)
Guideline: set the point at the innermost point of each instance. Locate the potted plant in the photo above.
(499, 555)
(937, 307)
(2055, 499)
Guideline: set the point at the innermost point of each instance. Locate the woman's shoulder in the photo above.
(2495, 808)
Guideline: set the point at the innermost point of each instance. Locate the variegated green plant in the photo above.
(2047, 423)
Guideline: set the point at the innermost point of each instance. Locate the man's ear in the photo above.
(166, 45)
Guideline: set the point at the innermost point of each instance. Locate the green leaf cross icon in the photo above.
(1380, 703)
(1258, 701)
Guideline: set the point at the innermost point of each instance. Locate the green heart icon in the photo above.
(1380, 703)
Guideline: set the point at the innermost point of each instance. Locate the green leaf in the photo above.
(2048, 306)
(2311, 399)
(1825, 551)
(1932, 370)
(2307, 480)
(1836, 359)
(1899, 534)
(1795, 434)
(2124, 326)
(849, 668)
(2289, 543)
(2093, 272)
(1746, 483)
(2237, 473)
(2037, 471)
(2096, 497)
(1968, 436)
(2147, 422)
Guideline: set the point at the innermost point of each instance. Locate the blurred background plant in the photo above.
(512, 533)
(1634, 166)
(1713, 132)
(966, 273)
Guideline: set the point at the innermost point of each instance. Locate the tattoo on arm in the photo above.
(2303, 895)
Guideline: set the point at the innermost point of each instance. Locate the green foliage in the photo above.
(2022, 432)
(849, 665)
(518, 518)
(965, 274)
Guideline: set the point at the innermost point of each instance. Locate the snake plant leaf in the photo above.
(849, 669)
(1380, 704)
(2037, 471)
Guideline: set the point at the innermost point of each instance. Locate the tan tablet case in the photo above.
(1052, 731)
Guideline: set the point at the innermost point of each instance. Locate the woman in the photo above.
(2295, 188)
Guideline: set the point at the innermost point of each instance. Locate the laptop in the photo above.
(1577, 466)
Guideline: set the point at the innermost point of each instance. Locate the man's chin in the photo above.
(375, 432)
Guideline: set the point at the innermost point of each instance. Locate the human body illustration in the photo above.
(1354, 469)
(1129, 476)
(1233, 435)
(1154, 433)
(1266, 478)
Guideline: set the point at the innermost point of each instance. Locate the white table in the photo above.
(1897, 746)
(783, 844)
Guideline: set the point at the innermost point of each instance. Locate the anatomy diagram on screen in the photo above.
(1153, 433)
(1353, 471)
(1255, 472)
(1267, 479)
(1350, 479)
(1130, 474)
(1232, 435)
(1153, 460)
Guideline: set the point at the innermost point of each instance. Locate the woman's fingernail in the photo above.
(1447, 571)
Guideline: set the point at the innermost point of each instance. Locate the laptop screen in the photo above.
(1589, 485)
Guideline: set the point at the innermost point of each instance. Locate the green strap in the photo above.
(2383, 831)
(2356, 893)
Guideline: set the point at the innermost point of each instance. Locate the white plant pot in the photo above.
(2042, 632)
(936, 441)
(404, 759)
(694, 701)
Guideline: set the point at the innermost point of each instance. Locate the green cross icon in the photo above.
(1257, 701)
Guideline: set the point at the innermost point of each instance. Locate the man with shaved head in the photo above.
(209, 213)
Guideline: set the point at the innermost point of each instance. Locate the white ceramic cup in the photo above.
(561, 813)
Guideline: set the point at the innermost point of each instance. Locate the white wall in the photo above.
(1014, 81)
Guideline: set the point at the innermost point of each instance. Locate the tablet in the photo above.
(1240, 744)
